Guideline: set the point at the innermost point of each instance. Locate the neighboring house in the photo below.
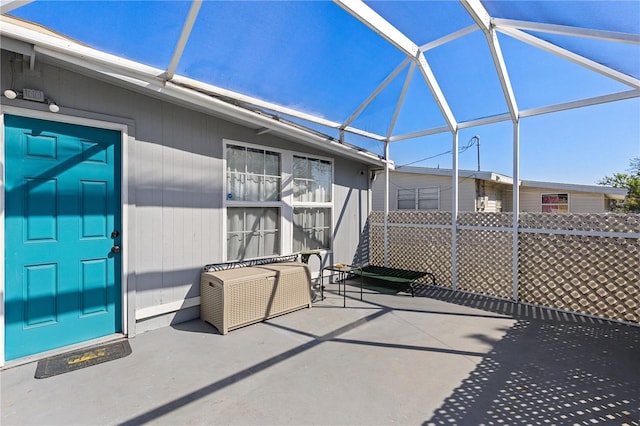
(422, 188)
(111, 206)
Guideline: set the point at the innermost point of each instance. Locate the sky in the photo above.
(314, 57)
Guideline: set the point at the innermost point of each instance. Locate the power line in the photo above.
(473, 141)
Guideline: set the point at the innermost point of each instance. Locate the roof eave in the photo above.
(149, 80)
(609, 191)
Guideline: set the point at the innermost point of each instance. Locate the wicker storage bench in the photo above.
(237, 297)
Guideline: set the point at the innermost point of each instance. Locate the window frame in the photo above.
(558, 194)
(416, 197)
(230, 203)
(314, 204)
(286, 203)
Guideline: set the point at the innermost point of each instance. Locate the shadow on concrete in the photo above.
(204, 391)
(550, 368)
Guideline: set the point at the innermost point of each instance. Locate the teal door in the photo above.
(62, 235)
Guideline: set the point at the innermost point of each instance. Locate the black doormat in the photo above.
(76, 360)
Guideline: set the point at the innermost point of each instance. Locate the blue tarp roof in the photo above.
(316, 57)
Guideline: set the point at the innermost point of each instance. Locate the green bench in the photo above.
(400, 277)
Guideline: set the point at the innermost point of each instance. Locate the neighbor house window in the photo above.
(419, 199)
(312, 203)
(253, 201)
(555, 203)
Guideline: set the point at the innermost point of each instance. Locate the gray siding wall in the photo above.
(176, 180)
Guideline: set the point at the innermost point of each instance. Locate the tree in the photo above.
(629, 181)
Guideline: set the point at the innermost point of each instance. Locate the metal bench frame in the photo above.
(393, 275)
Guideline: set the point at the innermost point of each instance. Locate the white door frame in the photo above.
(125, 127)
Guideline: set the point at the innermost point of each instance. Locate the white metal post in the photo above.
(454, 211)
(184, 37)
(386, 204)
(516, 203)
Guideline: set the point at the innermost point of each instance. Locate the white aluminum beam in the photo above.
(396, 112)
(377, 23)
(454, 210)
(7, 6)
(597, 100)
(436, 92)
(376, 92)
(419, 134)
(484, 121)
(478, 13)
(503, 75)
(448, 38)
(566, 30)
(573, 57)
(516, 207)
(386, 206)
(184, 36)
(483, 20)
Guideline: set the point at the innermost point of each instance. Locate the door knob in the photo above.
(115, 249)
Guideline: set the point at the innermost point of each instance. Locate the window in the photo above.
(253, 201)
(311, 180)
(260, 220)
(252, 174)
(312, 196)
(419, 199)
(311, 229)
(252, 232)
(555, 203)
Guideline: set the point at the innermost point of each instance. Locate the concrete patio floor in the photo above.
(438, 358)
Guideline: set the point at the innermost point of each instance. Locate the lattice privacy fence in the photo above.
(583, 263)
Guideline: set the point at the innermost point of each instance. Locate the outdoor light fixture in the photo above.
(10, 94)
(32, 95)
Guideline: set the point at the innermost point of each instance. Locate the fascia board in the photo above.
(598, 189)
(444, 172)
(218, 91)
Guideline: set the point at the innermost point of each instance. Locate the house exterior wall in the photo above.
(493, 197)
(498, 197)
(175, 186)
(579, 202)
(399, 180)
